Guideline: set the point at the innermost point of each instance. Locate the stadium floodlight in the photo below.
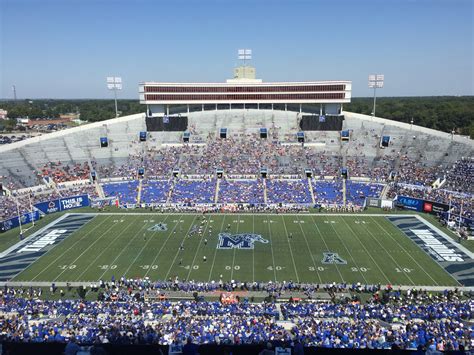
(114, 83)
(244, 54)
(376, 82)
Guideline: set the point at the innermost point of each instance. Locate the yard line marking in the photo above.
(68, 249)
(163, 245)
(143, 248)
(197, 249)
(215, 251)
(253, 250)
(123, 249)
(406, 252)
(90, 246)
(311, 254)
(389, 254)
(271, 248)
(177, 253)
(370, 255)
(289, 246)
(233, 255)
(327, 249)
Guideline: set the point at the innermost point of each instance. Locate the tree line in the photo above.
(443, 113)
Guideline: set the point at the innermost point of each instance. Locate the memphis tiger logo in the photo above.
(333, 258)
(239, 241)
(159, 227)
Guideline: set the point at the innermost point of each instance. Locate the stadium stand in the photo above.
(415, 156)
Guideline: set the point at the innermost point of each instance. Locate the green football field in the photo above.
(304, 248)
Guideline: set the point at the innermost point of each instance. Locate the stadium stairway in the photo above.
(344, 192)
(139, 193)
(265, 191)
(216, 195)
(383, 194)
(99, 189)
(310, 186)
(170, 192)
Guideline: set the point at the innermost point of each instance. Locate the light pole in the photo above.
(375, 81)
(245, 54)
(114, 83)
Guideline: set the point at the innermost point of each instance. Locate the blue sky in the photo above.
(66, 48)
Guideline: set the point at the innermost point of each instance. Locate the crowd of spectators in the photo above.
(241, 191)
(389, 319)
(288, 191)
(61, 172)
(455, 200)
(328, 192)
(126, 192)
(245, 154)
(155, 191)
(460, 177)
(194, 191)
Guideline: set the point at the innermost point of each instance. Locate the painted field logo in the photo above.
(332, 258)
(239, 241)
(159, 227)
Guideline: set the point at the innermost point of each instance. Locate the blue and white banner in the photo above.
(15, 222)
(467, 222)
(411, 203)
(48, 207)
(63, 204)
(69, 203)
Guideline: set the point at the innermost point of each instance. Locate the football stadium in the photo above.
(243, 216)
(241, 199)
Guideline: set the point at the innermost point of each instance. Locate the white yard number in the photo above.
(108, 267)
(319, 268)
(277, 268)
(357, 269)
(238, 221)
(149, 220)
(178, 220)
(146, 267)
(64, 267)
(300, 221)
(236, 267)
(329, 222)
(359, 222)
(269, 221)
(118, 220)
(405, 269)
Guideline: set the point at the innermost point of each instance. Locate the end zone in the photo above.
(455, 259)
(21, 255)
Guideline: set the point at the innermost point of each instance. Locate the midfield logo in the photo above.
(160, 227)
(239, 241)
(332, 258)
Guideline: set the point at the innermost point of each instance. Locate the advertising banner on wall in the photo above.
(373, 202)
(416, 204)
(69, 203)
(63, 204)
(466, 222)
(411, 203)
(15, 222)
(47, 207)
